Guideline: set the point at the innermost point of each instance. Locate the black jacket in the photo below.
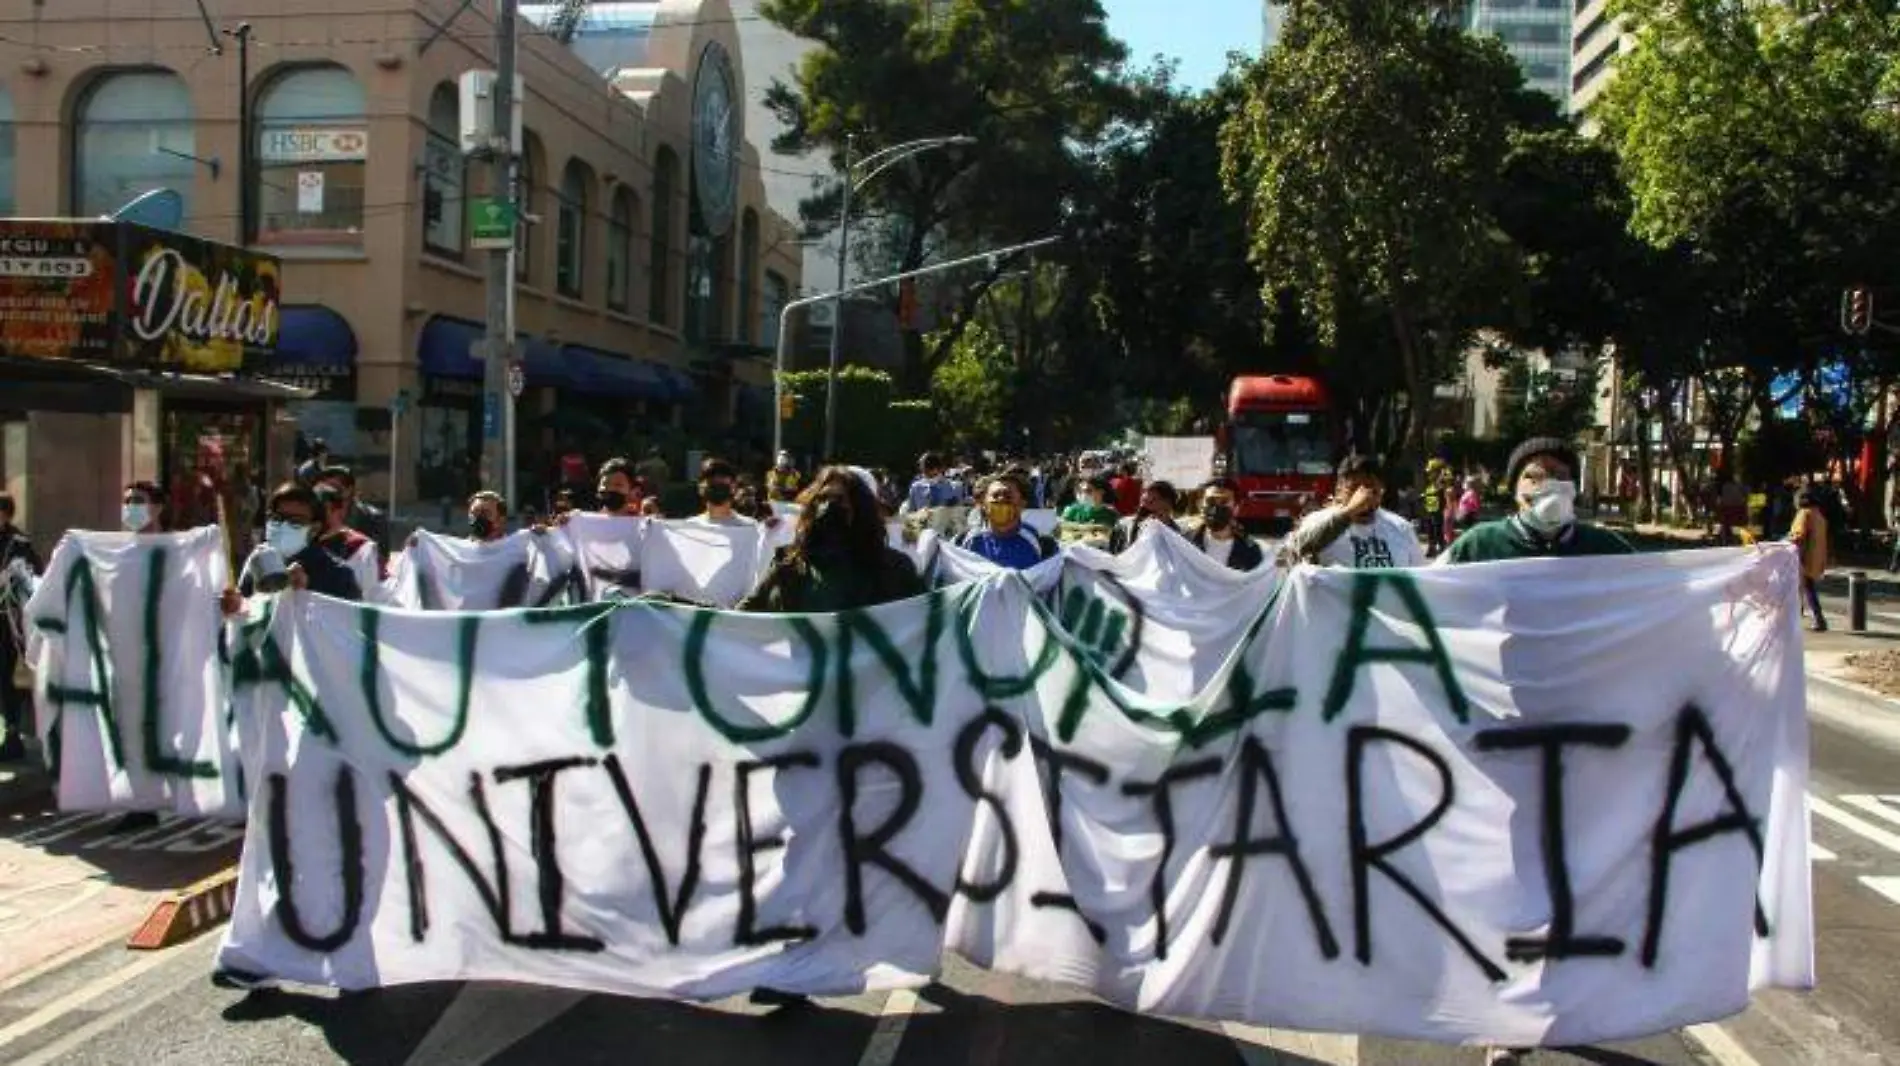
(1128, 530)
(326, 576)
(1245, 556)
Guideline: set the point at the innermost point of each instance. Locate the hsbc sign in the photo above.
(314, 145)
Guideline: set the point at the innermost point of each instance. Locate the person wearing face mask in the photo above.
(142, 508)
(839, 558)
(1219, 535)
(782, 481)
(718, 490)
(616, 489)
(1354, 531)
(291, 531)
(345, 544)
(1004, 540)
(1091, 505)
(16, 548)
(487, 517)
(1158, 501)
(1542, 474)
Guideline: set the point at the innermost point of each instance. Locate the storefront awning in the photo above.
(312, 342)
(607, 374)
(679, 383)
(446, 349)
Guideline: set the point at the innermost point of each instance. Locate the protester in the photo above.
(1542, 471)
(1156, 508)
(781, 482)
(291, 531)
(650, 507)
(717, 490)
(931, 489)
(1354, 531)
(1219, 535)
(1435, 504)
(142, 508)
(310, 471)
(1809, 531)
(839, 558)
(1005, 540)
(1470, 502)
(16, 549)
(1126, 489)
(1089, 508)
(357, 515)
(563, 504)
(616, 489)
(487, 517)
(344, 544)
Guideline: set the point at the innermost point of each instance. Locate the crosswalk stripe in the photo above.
(1875, 806)
(1723, 1047)
(1886, 886)
(881, 1050)
(1817, 853)
(1285, 1047)
(1854, 824)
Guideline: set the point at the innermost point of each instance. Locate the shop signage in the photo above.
(314, 145)
(491, 223)
(125, 294)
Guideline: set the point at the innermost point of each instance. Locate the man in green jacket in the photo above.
(1543, 471)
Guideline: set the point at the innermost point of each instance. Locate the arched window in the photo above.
(527, 174)
(660, 270)
(312, 157)
(620, 250)
(7, 168)
(748, 273)
(445, 176)
(133, 133)
(570, 239)
(778, 293)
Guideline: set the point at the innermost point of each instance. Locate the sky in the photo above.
(1199, 33)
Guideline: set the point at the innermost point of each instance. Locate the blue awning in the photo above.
(312, 342)
(607, 374)
(679, 384)
(447, 349)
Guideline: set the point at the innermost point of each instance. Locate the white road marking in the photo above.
(105, 1022)
(881, 1050)
(1817, 853)
(1721, 1046)
(83, 995)
(64, 826)
(1886, 886)
(61, 959)
(1875, 806)
(1854, 824)
(1270, 1047)
(484, 1021)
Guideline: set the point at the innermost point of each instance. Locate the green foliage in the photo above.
(973, 388)
(873, 430)
(1543, 403)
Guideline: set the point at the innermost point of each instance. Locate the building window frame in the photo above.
(620, 250)
(570, 230)
(660, 240)
(312, 159)
(444, 178)
(175, 135)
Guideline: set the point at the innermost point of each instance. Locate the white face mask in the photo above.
(135, 516)
(1553, 508)
(287, 538)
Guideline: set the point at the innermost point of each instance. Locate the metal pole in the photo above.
(1857, 601)
(778, 378)
(247, 207)
(501, 278)
(837, 313)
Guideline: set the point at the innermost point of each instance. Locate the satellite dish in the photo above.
(160, 209)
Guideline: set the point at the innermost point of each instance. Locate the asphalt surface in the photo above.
(89, 1001)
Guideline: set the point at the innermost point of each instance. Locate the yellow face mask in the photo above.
(1001, 514)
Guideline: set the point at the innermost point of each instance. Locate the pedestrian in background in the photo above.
(16, 549)
(1810, 533)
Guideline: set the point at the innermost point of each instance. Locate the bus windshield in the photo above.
(1281, 443)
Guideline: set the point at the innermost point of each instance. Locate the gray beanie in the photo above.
(1522, 455)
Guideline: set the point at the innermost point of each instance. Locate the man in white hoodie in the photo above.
(1354, 531)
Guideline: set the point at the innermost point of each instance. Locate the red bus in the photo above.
(1281, 446)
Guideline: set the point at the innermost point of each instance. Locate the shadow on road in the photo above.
(387, 1026)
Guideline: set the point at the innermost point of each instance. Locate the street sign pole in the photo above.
(497, 464)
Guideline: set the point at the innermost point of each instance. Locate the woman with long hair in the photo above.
(840, 557)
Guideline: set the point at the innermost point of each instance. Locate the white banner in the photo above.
(701, 562)
(131, 678)
(607, 553)
(1544, 802)
(525, 569)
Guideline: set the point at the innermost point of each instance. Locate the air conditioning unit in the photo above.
(477, 92)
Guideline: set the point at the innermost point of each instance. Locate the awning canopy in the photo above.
(312, 342)
(607, 374)
(446, 349)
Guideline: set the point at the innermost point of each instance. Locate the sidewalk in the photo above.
(26, 781)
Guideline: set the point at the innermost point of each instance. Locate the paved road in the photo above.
(104, 1005)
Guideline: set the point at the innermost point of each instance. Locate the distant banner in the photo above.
(1548, 802)
(525, 569)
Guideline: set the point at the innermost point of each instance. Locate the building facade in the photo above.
(649, 263)
(1537, 34)
(1598, 39)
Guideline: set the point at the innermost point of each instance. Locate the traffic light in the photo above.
(787, 406)
(1857, 311)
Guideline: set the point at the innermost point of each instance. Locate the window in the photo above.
(699, 288)
(526, 169)
(659, 271)
(134, 133)
(7, 168)
(778, 293)
(570, 239)
(748, 270)
(1595, 66)
(620, 250)
(312, 158)
(1591, 32)
(445, 176)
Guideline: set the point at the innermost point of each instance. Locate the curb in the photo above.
(1864, 698)
(190, 911)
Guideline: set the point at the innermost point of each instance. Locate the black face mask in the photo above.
(717, 493)
(480, 526)
(830, 520)
(1220, 516)
(613, 501)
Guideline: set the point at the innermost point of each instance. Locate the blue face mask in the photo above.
(287, 538)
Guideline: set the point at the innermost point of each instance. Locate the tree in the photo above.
(973, 388)
(1369, 155)
(1037, 83)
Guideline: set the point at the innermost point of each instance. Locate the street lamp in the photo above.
(885, 159)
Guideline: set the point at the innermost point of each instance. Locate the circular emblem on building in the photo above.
(715, 141)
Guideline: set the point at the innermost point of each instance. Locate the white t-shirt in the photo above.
(1385, 542)
(1219, 550)
(731, 521)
